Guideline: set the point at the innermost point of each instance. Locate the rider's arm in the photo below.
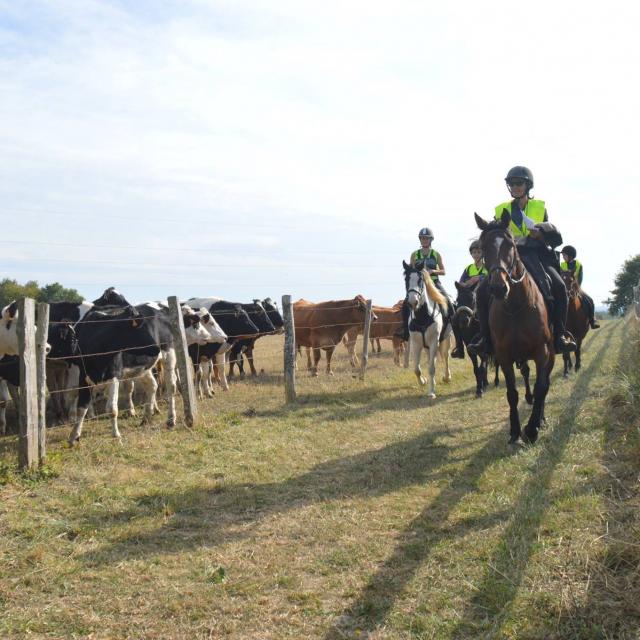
(440, 270)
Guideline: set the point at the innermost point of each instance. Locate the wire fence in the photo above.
(266, 349)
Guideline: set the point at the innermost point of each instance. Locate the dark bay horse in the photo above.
(518, 321)
(577, 319)
(467, 323)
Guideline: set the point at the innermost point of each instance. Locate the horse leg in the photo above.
(512, 397)
(484, 366)
(540, 390)
(433, 353)
(496, 379)
(477, 372)
(415, 347)
(567, 362)
(578, 355)
(525, 371)
(444, 347)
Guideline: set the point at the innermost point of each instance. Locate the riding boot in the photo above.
(458, 351)
(588, 303)
(481, 345)
(562, 341)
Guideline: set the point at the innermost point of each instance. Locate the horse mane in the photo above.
(432, 290)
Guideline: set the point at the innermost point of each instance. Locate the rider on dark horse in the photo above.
(432, 261)
(534, 235)
(569, 263)
(469, 281)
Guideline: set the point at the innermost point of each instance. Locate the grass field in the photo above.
(358, 512)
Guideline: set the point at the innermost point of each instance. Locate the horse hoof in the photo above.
(478, 395)
(431, 398)
(329, 373)
(422, 381)
(446, 380)
(171, 424)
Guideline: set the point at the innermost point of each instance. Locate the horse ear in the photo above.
(459, 287)
(405, 265)
(505, 219)
(419, 265)
(481, 222)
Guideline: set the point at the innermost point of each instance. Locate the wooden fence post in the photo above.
(365, 340)
(42, 332)
(28, 435)
(289, 350)
(185, 367)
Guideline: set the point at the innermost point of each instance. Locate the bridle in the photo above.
(509, 272)
(422, 295)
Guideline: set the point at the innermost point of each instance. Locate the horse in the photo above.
(577, 319)
(468, 324)
(427, 327)
(518, 322)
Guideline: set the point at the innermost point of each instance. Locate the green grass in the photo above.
(360, 511)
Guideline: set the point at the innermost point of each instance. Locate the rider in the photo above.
(470, 279)
(433, 264)
(529, 220)
(571, 264)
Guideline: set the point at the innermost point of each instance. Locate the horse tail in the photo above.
(432, 291)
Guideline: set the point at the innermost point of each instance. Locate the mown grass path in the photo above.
(360, 511)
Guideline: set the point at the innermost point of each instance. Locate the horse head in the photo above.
(500, 254)
(466, 296)
(571, 283)
(414, 283)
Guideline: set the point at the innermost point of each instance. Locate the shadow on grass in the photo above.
(499, 586)
(375, 601)
(222, 513)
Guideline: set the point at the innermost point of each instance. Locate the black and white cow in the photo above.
(235, 322)
(64, 345)
(260, 318)
(157, 316)
(103, 335)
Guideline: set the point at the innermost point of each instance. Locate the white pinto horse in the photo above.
(426, 324)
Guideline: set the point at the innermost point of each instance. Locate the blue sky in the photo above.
(251, 149)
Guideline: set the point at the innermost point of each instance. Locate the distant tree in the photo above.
(627, 278)
(12, 290)
(55, 292)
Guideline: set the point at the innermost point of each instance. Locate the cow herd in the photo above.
(110, 347)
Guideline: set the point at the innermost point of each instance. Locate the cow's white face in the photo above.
(8, 331)
(216, 334)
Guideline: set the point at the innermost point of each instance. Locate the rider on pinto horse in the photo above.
(570, 263)
(534, 235)
(432, 261)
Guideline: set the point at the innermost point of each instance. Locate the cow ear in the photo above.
(505, 219)
(481, 222)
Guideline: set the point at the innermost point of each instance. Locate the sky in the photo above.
(245, 149)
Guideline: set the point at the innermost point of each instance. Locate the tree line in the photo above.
(621, 300)
(11, 290)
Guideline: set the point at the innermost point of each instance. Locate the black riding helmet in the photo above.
(570, 251)
(425, 232)
(520, 173)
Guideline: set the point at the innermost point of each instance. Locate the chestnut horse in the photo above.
(518, 321)
(577, 319)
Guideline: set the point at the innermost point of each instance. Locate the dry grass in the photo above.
(358, 512)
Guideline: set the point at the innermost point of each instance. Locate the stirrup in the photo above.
(458, 352)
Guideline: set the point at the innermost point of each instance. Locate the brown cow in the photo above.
(388, 326)
(322, 325)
